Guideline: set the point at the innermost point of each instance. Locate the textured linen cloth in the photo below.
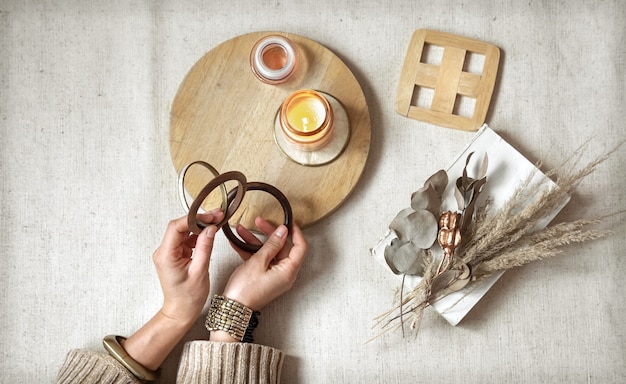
(87, 186)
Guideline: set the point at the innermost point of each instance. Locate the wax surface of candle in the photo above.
(306, 114)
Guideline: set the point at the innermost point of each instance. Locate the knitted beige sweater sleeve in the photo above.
(85, 366)
(201, 362)
(215, 363)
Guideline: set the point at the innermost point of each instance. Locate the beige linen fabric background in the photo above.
(87, 185)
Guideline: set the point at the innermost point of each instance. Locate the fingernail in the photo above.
(280, 232)
(210, 231)
(215, 211)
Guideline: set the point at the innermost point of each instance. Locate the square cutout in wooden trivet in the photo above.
(447, 80)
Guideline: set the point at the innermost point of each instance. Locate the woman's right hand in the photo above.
(271, 271)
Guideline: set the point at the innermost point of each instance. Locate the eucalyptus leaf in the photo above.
(439, 181)
(426, 198)
(390, 252)
(409, 259)
(405, 258)
(422, 228)
(398, 224)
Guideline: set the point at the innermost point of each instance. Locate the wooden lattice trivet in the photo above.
(451, 84)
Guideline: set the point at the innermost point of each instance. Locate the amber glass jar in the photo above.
(306, 119)
(273, 59)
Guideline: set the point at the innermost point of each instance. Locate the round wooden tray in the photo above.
(224, 115)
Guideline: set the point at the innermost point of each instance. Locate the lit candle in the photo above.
(306, 119)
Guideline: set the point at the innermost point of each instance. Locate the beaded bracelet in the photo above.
(231, 317)
(112, 344)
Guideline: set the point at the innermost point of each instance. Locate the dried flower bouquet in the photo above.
(479, 240)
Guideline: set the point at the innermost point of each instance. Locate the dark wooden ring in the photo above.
(258, 186)
(181, 184)
(195, 225)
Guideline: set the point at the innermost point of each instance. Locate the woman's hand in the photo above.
(269, 272)
(184, 271)
(184, 276)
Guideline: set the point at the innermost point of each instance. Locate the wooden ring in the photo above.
(181, 184)
(196, 226)
(258, 186)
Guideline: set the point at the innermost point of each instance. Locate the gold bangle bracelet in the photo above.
(112, 344)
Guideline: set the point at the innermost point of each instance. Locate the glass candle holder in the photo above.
(306, 119)
(311, 127)
(273, 59)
